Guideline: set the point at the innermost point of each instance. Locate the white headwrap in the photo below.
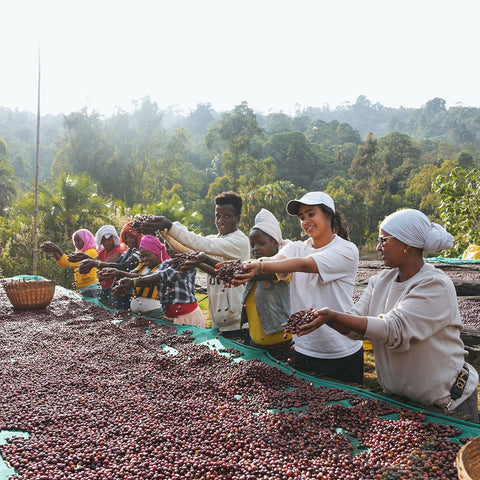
(413, 228)
(106, 231)
(267, 223)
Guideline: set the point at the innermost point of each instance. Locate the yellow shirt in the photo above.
(148, 291)
(255, 328)
(81, 279)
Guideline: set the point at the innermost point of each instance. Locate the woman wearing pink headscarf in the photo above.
(145, 299)
(84, 242)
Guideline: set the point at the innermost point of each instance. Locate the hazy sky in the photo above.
(277, 55)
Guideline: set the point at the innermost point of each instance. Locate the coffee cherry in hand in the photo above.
(299, 318)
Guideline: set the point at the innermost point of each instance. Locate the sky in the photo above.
(277, 55)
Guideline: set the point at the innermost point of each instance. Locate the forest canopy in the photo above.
(371, 159)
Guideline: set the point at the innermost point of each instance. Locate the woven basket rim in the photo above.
(29, 294)
(464, 460)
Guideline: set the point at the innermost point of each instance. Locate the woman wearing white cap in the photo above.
(410, 314)
(324, 268)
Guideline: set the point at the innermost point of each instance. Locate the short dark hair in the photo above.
(230, 198)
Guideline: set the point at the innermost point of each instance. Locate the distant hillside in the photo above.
(457, 125)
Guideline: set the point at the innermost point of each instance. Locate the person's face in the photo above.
(262, 245)
(78, 242)
(226, 219)
(149, 258)
(314, 221)
(130, 240)
(391, 249)
(107, 243)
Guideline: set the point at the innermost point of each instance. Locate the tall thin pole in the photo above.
(37, 168)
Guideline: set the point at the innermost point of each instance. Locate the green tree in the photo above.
(233, 138)
(64, 207)
(199, 120)
(274, 197)
(435, 106)
(460, 206)
(294, 156)
(259, 172)
(173, 174)
(148, 150)
(8, 188)
(401, 156)
(20, 168)
(350, 203)
(82, 147)
(71, 204)
(465, 160)
(421, 193)
(370, 179)
(278, 123)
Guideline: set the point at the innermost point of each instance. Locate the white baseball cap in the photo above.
(310, 198)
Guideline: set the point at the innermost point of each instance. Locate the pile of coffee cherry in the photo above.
(109, 395)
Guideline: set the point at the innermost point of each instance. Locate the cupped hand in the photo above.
(49, 247)
(249, 270)
(322, 316)
(86, 265)
(107, 273)
(192, 261)
(155, 223)
(77, 257)
(123, 286)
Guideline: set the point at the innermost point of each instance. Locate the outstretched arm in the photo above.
(131, 279)
(265, 265)
(201, 260)
(344, 323)
(76, 257)
(50, 247)
(153, 223)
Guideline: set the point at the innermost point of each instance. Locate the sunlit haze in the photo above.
(276, 55)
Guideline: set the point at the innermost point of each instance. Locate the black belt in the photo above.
(459, 385)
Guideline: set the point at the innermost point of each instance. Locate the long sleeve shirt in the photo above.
(414, 327)
(81, 279)
(225, 304)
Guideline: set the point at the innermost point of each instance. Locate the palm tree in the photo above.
(72, 204)
(274, 197)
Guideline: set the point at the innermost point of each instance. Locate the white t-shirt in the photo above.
(332, 287)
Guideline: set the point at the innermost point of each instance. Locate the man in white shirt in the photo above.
(230, 243)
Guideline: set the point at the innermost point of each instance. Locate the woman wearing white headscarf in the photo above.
(410, 314)
(109, 250)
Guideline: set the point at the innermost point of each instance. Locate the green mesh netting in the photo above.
(450, 260)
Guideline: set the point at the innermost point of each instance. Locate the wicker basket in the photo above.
(468, 460)
(29, 294)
